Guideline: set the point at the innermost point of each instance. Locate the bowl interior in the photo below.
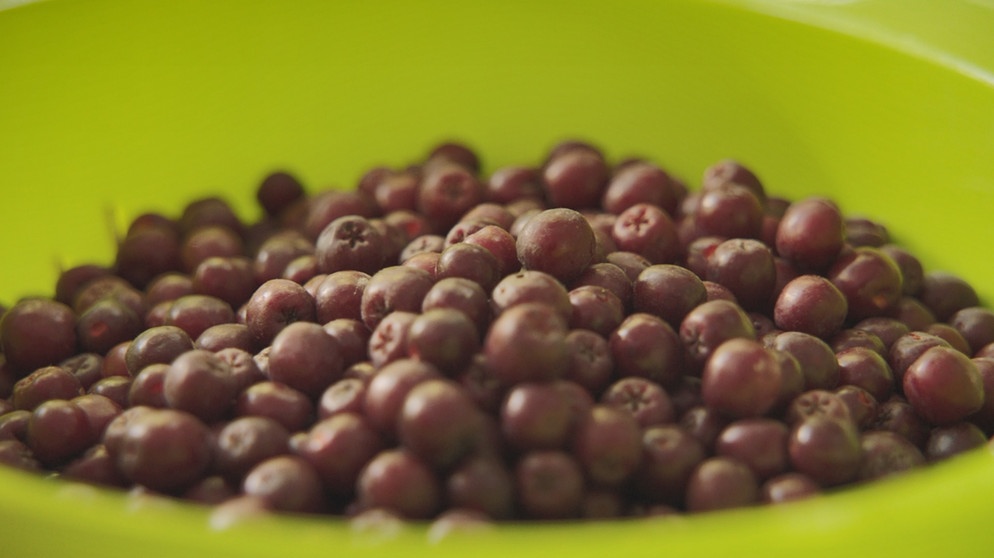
(110, 109)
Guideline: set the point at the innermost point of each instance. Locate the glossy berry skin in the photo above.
(976, 325)
(511, 183)
(912, 270)
(444, 337)
(280, 402)
(397, 480)
(595, 309)
(465, 227)
(274, 305)
(195, 314)
(591, 364)
(526, 343)
(36, 333)
(944, 386)
(468, 261)
(536, 416)
(501, 244)
(759, 443)
(709, 325)
(531, 286)
(945, 294)
(306, 358)
(788, 487)
(907, 348)
(244, 368)
(105, 324)
(114, 388)
(549, 485)
(447, 192)
(339, 295)
(647, 401)
(984, 418)
(792, 381)
(730, 211)
(352, 337)
(396, 191)
(721, 483)
(559, 242)
(163, 450)
(649, 231)
(103, 287)
(344, 396)
(463, 295)
(746, 267)
(640, 182)
(704, 423)
(327, 206)
(731, 171)
(483, 484)
(57, 431)
(496, 214)
(741, 379)
(277, 251)
(865, 232)
(668, 291)
(898, 416)
(388, 341)
(887, 453)
(811, 233)
(148, 251)
(245, 442)
(287, 483)
(865, 368)
(277, 191)
(225, 336)
(629, 262)
(951, 440)
(811, 304)
(826, 449)
(817, 402)
(439, 423)
(816, 358)
(200, 383)
(607, 445)
(46, 383)
(388, 389)
(870, 281)
(951, 335)
(647, 347)
(862, 406)
(575, 178)
(669, 456)
(71, 280)
(887, 330)
(391, 289)
(338, 448)
(230, 279)
(352, 243)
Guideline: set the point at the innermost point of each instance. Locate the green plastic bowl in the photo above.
(111, 108)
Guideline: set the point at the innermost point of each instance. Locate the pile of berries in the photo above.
(568, 339)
